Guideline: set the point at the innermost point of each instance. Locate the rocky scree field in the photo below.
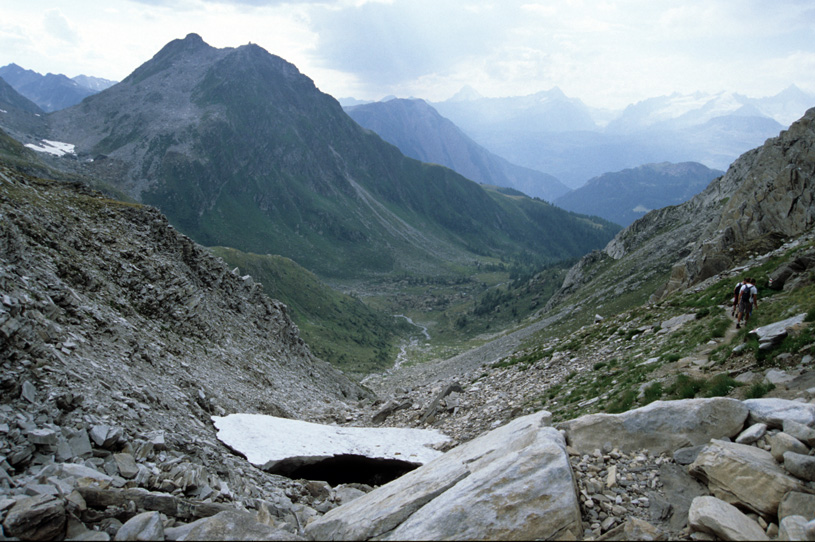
(119, 338)
(685, 347)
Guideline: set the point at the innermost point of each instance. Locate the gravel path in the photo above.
(456, 368)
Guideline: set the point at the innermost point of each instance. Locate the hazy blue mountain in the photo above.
(563, 137)
(96, 84)
(50, 92)
(624, 196)
(350, 102)
(546, 111)
(18, 114)
(678, 111)
(239, 149)
(422, 133)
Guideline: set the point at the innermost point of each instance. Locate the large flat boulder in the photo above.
(227, 525)
(773, 411)
(662, 426)
(723, 520)
(512, 483)
(744, 476)
(772, 334)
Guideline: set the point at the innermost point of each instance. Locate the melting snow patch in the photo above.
(266, 440)
(53, 147)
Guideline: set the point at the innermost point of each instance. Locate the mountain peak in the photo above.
(191, 45)
(793, 92)
(466, 94)
(191, 42)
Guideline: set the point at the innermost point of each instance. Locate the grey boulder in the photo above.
(662, 426)
(513, 482)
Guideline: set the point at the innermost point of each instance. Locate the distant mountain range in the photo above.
(52, 92)
(624, 196)
(239, 149)
(621, 197)
(18, 114)
(420, 132)
(548, 132)
(561, 136)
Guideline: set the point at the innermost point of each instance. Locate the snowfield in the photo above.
(57, 148)
(264, 439)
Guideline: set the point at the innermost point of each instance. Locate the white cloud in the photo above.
(610, 52)
(57, 26)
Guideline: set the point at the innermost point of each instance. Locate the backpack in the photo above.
(748, 290)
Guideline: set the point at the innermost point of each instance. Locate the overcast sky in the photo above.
(607, 53)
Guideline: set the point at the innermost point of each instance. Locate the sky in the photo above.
(607, 53)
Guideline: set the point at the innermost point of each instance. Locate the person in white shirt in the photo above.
(748, 299)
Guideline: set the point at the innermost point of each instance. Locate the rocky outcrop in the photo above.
(765, 197)
(747, 475)
(769, 196)
(716, 517)
(662, 426)
(512, 483)
(501, 485)
(119, 338)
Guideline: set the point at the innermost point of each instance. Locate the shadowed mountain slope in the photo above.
(51, 92)
(239, 149)
(624, 196)
(421, 133)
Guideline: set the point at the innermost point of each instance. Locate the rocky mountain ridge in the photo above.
(234, 143)
(624, 196)
(51, 91)
(120, 338)
(421, 133)
(763, 198)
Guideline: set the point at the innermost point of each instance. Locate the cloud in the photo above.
(388, 44)
(186, 4)
(606, 52)
(57, 26)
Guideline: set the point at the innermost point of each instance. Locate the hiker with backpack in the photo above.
(736, 291)
(748, 299)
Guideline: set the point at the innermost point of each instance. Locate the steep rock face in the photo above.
(765, 196)
(773, 196)
(102, 298)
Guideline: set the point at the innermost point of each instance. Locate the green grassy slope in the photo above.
(338, 328)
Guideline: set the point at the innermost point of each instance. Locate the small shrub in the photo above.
(758, 390)
(701, 313)
(719, 327)
(652, 393)
(685, 387)
(623, 403)
(670, 358)
(599, 365)
(720, 385)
